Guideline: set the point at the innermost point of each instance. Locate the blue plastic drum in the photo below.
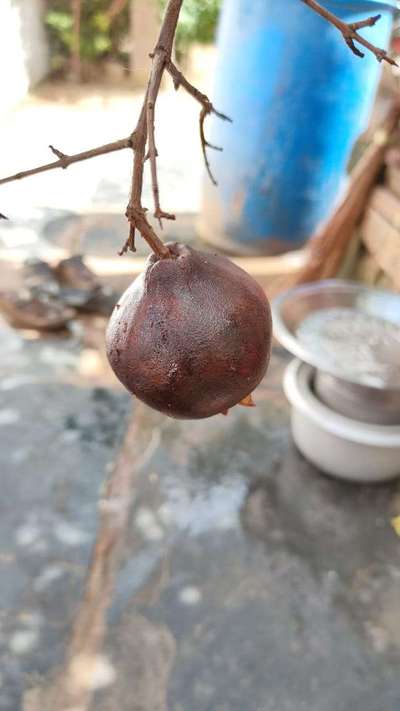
(299, 99)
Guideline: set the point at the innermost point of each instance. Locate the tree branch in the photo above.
(65, 160)
(154, 86)
(350, 34)
(207, 108)
(144, 134)
(135, 212)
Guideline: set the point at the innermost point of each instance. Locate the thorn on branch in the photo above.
(137, 219)
(161, 215)
(369, 22)
(224, 117)
(65, 160)
(350, 34)
(129, 245)
(124, 248)
(215, 148)
(148, 155)
(208, 108)
(131, 238)
(350, 43)
(62, 156)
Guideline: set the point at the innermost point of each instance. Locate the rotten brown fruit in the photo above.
(191, 337)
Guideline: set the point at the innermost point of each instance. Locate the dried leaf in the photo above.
(396, 524)
(247, 401)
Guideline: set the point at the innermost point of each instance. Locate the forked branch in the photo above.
(207, 108)
(142, 140)
(350, 32)
(65, 160)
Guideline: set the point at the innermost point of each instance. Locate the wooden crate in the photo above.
(367, 269)
(380, 237)
(393, 179)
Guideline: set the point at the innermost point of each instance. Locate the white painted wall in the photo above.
(24, 57)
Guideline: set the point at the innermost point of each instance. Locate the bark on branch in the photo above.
(350, 32)
(143, 141)
(207, 108)
(65, 160)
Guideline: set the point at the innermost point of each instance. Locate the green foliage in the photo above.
(98, 38)
(197, 22)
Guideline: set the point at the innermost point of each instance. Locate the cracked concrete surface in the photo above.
(248, 581)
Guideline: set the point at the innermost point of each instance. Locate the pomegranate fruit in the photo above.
(191, 336)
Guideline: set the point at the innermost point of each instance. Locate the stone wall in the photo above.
(24, 57)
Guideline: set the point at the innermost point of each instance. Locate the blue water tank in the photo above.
(299, 99)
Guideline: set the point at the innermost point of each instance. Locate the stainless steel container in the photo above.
(380, 406)
(359, 393)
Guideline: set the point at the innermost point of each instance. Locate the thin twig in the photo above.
(350, 34)
(144, 132)
(154, 86)
(135, 211)
(204, 144)
(180, 80)
(207, 108)
(65, 160)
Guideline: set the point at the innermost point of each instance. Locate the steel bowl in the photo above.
(361, 402)
(354, 396)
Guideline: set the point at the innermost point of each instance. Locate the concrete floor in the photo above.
(248, 581)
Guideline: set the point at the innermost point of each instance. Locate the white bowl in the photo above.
(339, 446)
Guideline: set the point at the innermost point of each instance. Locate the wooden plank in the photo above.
(367, 269)
(393, 179)
(387, 204)
(384, 282)
(382, 241)
(329, 244)
(350, 258)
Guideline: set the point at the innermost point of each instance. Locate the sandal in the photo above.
(27, 309)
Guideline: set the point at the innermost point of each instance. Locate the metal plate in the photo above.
(291, 308)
